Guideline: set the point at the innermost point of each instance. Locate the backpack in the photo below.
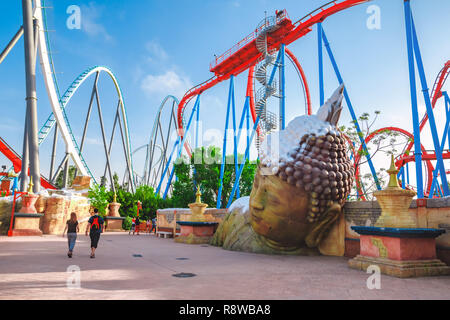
(95, 225)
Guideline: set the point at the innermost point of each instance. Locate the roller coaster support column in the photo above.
(11, 44)
(447, 109)
(116, 118)
(25, 158)
(413, 89)
(241, 168)
(88, 115)
(197, 125)
(66, 174)
(180, 150)
(104, 141)
(130, 170)
(248, 120)
(235, 149)
(197, 129)
(350, 107)
(224, 148)
(282, 89)
(167, 166)
(320, 54)
(414, 51)
(30, 73)
(435, 183)
(52, 160)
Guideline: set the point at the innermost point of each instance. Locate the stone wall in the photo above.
(428, 213)
(56, 208)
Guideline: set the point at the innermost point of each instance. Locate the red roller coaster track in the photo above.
(245, 54)
(17, 162)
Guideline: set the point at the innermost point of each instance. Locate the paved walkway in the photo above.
(36, 268)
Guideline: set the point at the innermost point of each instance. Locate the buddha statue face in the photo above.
(297, 197)
(279, 210)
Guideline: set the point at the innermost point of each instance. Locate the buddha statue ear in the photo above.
(331, 110)
(321, 228)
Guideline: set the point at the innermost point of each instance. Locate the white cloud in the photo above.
(164, 84)
(156, 52)
(89, 16)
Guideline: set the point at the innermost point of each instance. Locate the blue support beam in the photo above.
(235, 149)
(272, 74)
(248, 120)
(244, 116)
(407, 173)
(282, 88)
(167, 166)
(241, 168)
(413, 91)
(350, 107)
(320, 54)
(197, 102)
(426, 94)
(447, 110)
(224, 148)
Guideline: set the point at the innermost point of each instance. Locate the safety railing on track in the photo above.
(252, 36)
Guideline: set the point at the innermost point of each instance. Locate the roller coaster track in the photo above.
(59, 103)
(149, 159)
(63, 102)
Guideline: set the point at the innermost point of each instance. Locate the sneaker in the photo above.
(92, 256)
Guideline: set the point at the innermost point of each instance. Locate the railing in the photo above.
(252, 36)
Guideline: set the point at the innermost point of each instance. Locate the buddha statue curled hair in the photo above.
(313, 157)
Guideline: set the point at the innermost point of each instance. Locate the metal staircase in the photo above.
(268, 120)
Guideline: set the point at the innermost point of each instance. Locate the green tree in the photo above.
(386, 142)
(60, 178)
(204, 169)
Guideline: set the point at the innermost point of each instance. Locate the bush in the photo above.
(126, 225)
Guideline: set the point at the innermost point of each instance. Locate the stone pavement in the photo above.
(36, 268)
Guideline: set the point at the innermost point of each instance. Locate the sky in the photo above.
(157, 48)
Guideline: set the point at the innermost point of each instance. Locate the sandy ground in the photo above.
(37, 268)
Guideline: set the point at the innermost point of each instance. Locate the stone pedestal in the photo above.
(26, 221)
(399, 252)
(193, 232)
(114, 220)
(114, 224)
(26, 224)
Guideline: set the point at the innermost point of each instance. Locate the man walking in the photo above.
(153, 225)
(95, 228)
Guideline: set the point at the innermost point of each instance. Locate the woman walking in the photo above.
(72, 228)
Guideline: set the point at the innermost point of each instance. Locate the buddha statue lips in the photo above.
(300, 186)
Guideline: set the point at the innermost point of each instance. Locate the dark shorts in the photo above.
(95, 236)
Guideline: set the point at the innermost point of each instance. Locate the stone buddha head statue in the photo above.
(303, 180)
